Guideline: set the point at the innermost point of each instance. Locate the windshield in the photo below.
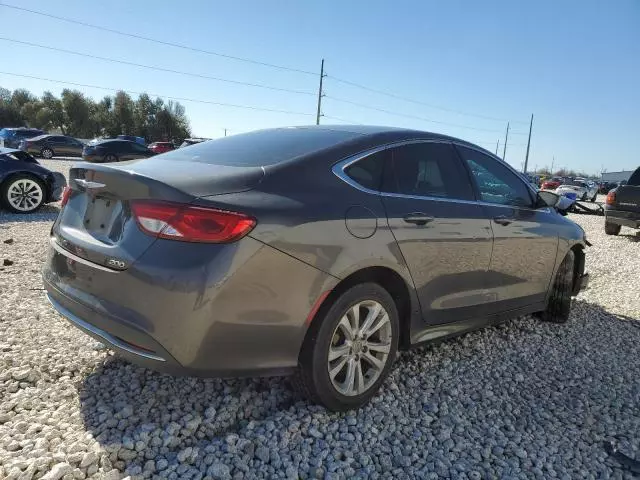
(263, 147)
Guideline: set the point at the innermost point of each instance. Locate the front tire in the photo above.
(110, 158)
(559, 306)
(349, 348)
(22, 194)
(46, 153)
(611, 228)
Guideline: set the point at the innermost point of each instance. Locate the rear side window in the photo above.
(427, 170)
(368, 171)
(264, 147)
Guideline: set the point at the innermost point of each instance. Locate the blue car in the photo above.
(25, 185)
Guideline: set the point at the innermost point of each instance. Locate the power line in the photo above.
(155, 40)
(406, 115)
(182, 99)
(151, 67)
(418, 102)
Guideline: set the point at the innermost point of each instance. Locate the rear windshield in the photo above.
(634, 179)
(4, 133)
(264, 147)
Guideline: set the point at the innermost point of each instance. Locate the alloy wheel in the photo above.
(25, 194)
(47, 153)
(359, 348)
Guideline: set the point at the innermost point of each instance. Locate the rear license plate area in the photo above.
(102, 214)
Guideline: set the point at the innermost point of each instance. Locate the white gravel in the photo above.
(521, 400)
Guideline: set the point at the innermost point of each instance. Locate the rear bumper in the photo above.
(623, 218)
(200, 311)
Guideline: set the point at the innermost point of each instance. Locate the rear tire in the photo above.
(350, 378)
(611, 228)
(110, 158)
(559, 306)
(595, 197)
(584, 197)
(47, 153)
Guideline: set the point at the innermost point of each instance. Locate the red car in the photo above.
(552, 183)
(161, 147)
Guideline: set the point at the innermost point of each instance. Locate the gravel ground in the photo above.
(521, 400)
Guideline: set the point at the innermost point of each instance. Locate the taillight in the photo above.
(187, 223)
(611, 198)
(66, 193)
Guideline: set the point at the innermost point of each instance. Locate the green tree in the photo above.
(123, 113)
(77, 109)
(9, 115)
(51, 115)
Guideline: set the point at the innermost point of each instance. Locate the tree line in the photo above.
(80, 116)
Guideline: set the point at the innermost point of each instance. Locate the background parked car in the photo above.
(25, 185)
(11, 137)
(582, 189)
(108, 151)
(161, 147)
(132, 138)
(552, 183)
(622, 207)
(48, 146)
(605, 187)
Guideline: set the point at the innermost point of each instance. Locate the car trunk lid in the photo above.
(97, 223)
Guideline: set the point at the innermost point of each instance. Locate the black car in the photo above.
(11, 137)
(25, 185)
(622, 207)
(108, 151)
(48, 146)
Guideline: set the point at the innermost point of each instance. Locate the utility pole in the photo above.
(225, 132)
(506, 138)
(497, 146)
(320, 94)
(552, 162)
(526, 158)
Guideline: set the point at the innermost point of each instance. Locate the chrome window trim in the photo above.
(339, 168)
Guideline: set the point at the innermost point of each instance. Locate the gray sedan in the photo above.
(313, 251)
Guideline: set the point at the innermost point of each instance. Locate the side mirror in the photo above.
(548, 199)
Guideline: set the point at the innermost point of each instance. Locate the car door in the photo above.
(525, 238)
(442, 232)
(55, 143)
(73, 147)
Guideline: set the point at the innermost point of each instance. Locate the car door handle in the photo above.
(502, 220)
(418, 218)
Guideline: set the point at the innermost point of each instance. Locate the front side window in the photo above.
(427, 170)
(496, 183)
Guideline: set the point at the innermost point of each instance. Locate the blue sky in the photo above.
(574, 64)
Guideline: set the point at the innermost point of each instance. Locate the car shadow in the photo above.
(123, 404)
(631, 238)
(47, 213)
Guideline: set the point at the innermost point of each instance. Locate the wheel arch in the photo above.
(393, 282)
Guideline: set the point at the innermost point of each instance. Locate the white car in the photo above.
(583, 189)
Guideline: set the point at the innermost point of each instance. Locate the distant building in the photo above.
(616, 176)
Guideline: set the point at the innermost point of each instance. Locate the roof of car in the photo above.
(115, 140)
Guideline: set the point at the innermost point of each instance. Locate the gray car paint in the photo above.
(243, 308)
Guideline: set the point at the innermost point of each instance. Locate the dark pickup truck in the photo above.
(623, 206)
